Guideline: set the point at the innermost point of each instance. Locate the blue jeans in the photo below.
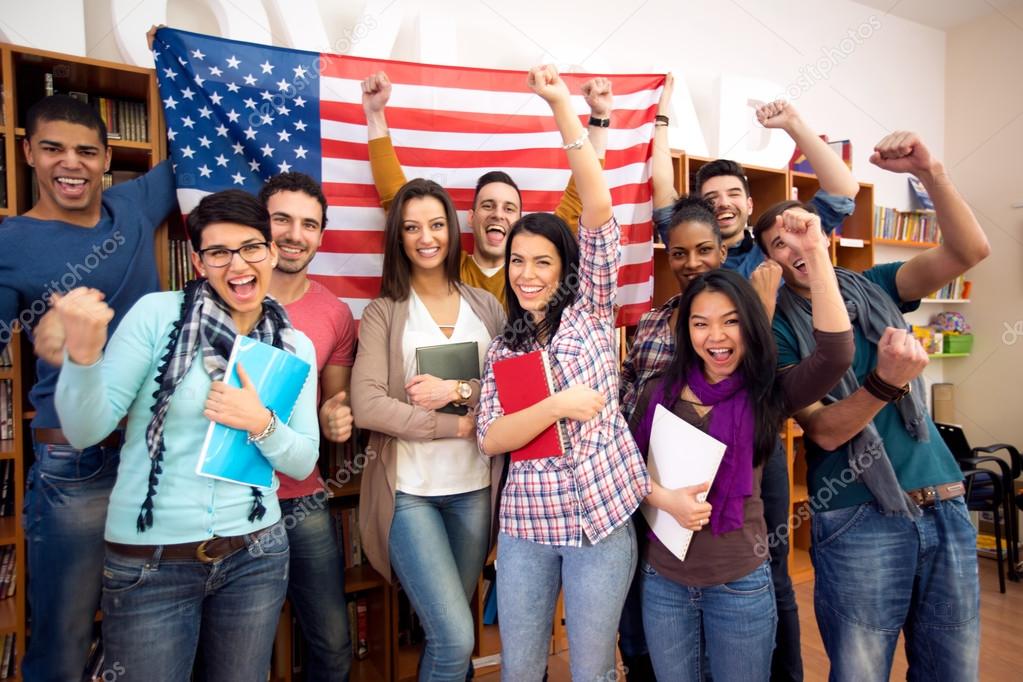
(157, 612)
(787, 660)
(437, 547)
(316, 588)
(595, 580)
(877, 575)
(728, 627)
(65, 512)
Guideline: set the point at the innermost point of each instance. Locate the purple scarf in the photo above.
(732, 423)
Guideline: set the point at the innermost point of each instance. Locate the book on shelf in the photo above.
(6, 666)
(906, 226)
(920, 193)
(959, 288)
(6, 410)
(124, 119)
(180, 268)
(6, 360)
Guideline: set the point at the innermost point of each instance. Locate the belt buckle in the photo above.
(200, 552)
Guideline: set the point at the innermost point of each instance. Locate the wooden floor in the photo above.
(1001, 640)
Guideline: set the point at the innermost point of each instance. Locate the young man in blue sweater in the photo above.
(75, 235)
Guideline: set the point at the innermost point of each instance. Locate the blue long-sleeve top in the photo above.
(92, 399)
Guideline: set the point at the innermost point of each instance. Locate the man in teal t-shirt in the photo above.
(893, 548)
(75, 235)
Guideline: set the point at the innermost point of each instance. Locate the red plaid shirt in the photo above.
(651, 352)
(600, 481)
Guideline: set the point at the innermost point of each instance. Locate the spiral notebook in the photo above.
(278, 376)
(680, 455)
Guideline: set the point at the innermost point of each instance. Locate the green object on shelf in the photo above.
(958, 343)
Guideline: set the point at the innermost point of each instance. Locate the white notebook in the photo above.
(680, 455)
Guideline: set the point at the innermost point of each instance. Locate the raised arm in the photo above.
(900, 359)
(388, 175)
(661, 173)
(834, 176)
(582, 159)
(598, 95)
(963, 241)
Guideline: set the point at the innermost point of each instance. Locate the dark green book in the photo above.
(450, 361)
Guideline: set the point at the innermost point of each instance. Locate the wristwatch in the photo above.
(464, 391)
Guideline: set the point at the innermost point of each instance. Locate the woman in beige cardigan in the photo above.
(426, 504)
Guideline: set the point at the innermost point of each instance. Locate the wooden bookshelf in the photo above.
(905, 243)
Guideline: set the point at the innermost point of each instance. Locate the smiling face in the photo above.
(424, 233)
(732, 206)
(534, 270)
(793, 265)
(692, 250)
(295, 221)
(497, 209)
(241, 285)
(69, 161)
(716, 334)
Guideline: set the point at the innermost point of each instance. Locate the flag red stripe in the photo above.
(463, 122)
(354, 194)
(640, 273)
(348, 286)
(462, 77)
(546, 158)
(628, 315)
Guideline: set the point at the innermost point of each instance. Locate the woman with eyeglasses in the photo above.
(191, 562)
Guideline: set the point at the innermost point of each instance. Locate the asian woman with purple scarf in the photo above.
(717, 607)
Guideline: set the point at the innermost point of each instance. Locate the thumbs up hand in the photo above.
(336, 418)
(239, 408)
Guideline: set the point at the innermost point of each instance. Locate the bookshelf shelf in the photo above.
(6, 373)
(949, 301)
(8, 530)
(361, 578)
(906, 244)
(5, 211)
(949, 355)
(8, 616)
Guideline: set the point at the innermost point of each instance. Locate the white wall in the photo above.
(984, 140)
(890, 76)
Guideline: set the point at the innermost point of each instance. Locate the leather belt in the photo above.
(56, 437)
(206, 551)
(926, 497)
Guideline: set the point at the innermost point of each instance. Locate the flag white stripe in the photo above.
(362, 218)
(347, 264)
(635, 293)
(618, 138)
(468, 100)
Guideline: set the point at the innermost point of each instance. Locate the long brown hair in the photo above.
(396, 282)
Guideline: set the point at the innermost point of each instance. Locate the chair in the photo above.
(989, 503)
(986, 493)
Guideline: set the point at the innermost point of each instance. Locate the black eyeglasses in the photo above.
(220, 256)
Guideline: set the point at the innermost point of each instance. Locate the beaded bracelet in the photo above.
(578, 143)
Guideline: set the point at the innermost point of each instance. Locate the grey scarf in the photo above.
(871, 309)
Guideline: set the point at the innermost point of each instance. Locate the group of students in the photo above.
(191, 565)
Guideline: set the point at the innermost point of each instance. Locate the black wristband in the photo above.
(600, 122)
(882, 390)
(662, 119)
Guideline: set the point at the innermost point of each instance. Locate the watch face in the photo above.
(464, 390)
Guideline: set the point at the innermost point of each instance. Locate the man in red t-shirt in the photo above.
(298, 216)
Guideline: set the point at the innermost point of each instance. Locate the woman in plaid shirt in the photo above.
(564, 521)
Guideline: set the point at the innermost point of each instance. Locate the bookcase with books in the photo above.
(852, 247)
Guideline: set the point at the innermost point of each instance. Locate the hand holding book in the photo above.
(577, 402)
(239, 408)
(430, 393)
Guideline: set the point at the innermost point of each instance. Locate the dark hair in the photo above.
(692, 208)
(229, 206)
(396, 282)
(521, 330)
(717, 168)
(294, 182)
(492, 177)
(64, 108)
(767, 220)
(760, 357)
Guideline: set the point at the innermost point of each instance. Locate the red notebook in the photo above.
(522, 381)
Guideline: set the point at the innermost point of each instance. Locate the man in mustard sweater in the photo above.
(497, 202)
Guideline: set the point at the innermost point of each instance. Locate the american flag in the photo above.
(238, 113)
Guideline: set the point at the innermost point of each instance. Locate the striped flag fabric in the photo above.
(238, 113)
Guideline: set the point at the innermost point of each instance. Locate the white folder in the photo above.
(680, 455)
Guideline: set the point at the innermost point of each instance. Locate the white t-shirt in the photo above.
(446, 466)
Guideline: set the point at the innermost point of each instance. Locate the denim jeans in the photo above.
(595, 579)
(728, 627)
(787, 660)
(65, 513)
(437, 547)
(877, 575)
(157, 613)
(316, 588)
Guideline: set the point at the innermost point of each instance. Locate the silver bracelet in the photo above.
(266, 432)
(578, 143)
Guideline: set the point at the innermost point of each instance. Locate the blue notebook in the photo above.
(279, 377)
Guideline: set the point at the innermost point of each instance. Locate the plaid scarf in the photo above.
(205, 323)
